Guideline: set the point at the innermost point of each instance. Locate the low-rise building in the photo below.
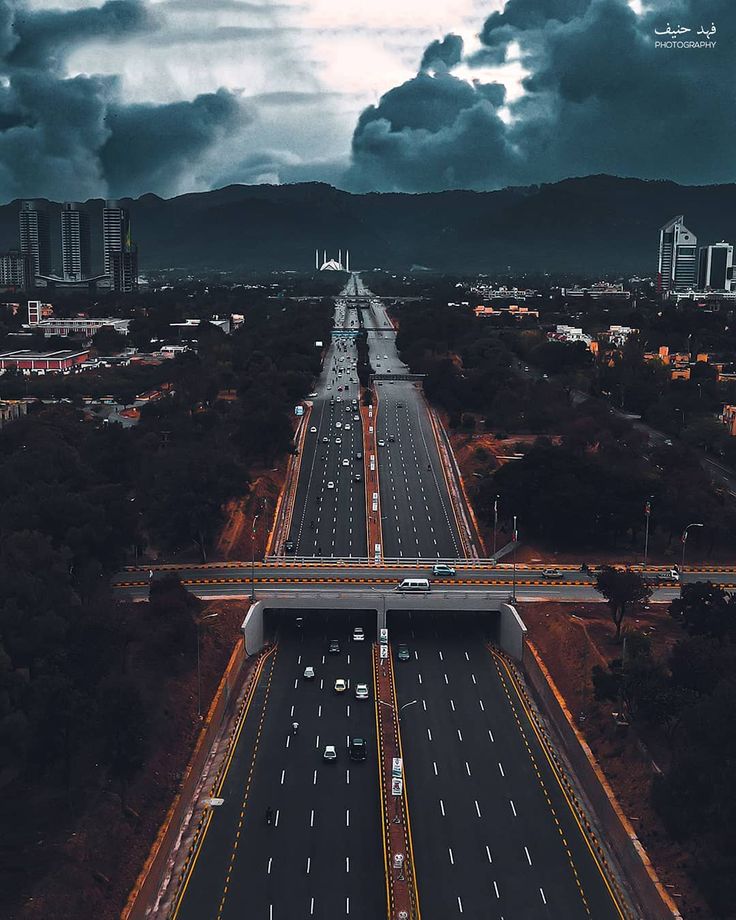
(598, 291)
(563, 333)
(12, 409)
(728, 417)
(514, 310)
(34, 362)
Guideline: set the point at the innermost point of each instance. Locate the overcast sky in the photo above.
(130, 96)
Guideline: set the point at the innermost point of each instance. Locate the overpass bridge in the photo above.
(506, 624)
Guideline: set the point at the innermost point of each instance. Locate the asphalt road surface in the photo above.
(494, 835)
(329, 507)
(322, 855)
(416, 513)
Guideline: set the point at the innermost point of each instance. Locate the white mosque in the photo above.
(332, 265)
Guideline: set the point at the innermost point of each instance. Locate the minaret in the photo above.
(339, 257)
(324, 256)
(347, 260)
(316, 259)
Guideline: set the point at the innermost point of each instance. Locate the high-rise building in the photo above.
(115, 231)
(120, 253)
(75, 243)
(677, 268)
(124, 269)
(715, 267)
(15, 270)
(33, 221)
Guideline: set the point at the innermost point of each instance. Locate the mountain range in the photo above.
(592, 225)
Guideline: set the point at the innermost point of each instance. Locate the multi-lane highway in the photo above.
(329, 507)
(494, 834)
(320, 855)
(504, 841)
(416, 512)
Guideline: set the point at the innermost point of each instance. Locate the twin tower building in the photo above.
(120, 255)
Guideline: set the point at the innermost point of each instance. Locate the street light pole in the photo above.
(513, 583)
(647, 514)
(684, 544)
(210, 616)
(495, 526)
(253, 556)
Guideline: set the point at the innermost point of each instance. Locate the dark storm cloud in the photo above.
(441, 55)
(150, 142)
(73, 137)
(599, 98)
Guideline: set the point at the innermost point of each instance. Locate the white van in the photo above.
(413, 584)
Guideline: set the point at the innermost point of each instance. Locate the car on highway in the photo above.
(358, 634)
(329, 386)
(361, 691)
(357, 749)
(289, 546)
(330, 754)
(357, 477)
(313, 430)
(334, 647)
(346, 426)
(391, 438)
(402, 652)
(382, 443)
(341, 685)
(325, 440)
(338, 424)
(551, 573)
(338, 440)
(414, 584)
(311, 395)
(309, 672)
(346, 462)
(330, 484)
(359, 456)
(356, 418)
(339, 398)
(442, 568)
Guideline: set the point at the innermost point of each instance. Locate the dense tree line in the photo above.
(690, 696)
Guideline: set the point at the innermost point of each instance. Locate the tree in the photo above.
(705, 609)
(123, 730)
(621, 589)
(108, 341)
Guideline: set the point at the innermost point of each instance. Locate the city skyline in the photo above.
(462, 95)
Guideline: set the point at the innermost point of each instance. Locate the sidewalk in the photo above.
(398, 853)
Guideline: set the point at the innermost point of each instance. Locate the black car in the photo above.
(357, 477)
(402, 653)
(391, 437)
(334, 647)
(289, 546)
(357, 749)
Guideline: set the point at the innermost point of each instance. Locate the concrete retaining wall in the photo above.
(151, 877)
(638, 873)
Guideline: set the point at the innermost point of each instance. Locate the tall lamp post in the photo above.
(253, 555)
(210, 616)
(495, 526)
(515, 538)
(647, 515)
(684, 544)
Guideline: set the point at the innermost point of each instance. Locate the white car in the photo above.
(358, 634)
(361, 691)
(338, 440)
(341, 685)
(330, 485)
(309, 673)
(311, 396)
(338, 424)
(330, 754)
(329, 387)
(356, 418)
(346, 462)
(346, 425)
(381, 443)
(313, 430)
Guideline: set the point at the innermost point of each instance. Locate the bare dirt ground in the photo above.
(238, 539)
(571, 639)
(81, 861)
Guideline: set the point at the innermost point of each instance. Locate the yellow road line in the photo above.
(544, 745)
(202, 833)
